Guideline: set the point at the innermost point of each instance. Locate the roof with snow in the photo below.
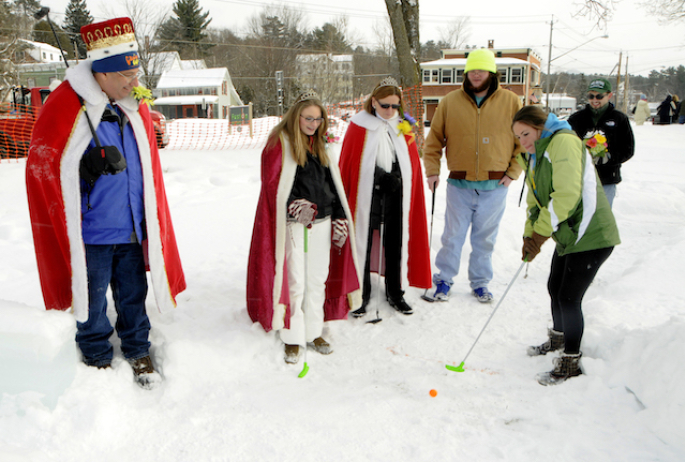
(185, 100)
(193, 64)
(461, 62)
(193, 78)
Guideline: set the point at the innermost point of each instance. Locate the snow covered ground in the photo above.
(228, 396)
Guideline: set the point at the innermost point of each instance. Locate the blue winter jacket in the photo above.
(113, 212)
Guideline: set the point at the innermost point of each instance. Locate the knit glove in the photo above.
(303, 211)
(340, 232)
(532, 245)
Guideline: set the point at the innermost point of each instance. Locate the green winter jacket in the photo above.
(565, 197)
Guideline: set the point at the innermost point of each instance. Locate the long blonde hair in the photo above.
(290, 127)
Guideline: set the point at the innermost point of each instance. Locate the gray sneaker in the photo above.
(483, 295)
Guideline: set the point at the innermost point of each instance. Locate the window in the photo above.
(503, 74)
(426, 76)
(516, 75)
(434, 75)
(447, 75)
(45, 56)
(460, 76)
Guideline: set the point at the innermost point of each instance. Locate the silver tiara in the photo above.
(388, 82)
(309, 94)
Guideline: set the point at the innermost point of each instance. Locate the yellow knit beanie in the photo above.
(481, 59)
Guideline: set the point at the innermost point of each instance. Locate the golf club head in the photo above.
(428, 298)
(305, 369)
(459, 368)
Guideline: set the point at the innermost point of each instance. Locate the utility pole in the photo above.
(626, 93)
(618, 77)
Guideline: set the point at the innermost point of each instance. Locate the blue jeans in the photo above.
(121, 266)
(482, 211)
(610, 192)
(681, 119)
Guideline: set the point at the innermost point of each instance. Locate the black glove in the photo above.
(390, 182)
(101, 160)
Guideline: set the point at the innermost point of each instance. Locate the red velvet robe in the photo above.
(60, 137)
(357, 167)
(268, 297)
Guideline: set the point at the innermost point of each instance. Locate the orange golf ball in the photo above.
(433, 393)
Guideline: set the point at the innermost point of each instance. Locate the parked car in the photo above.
(159, 122)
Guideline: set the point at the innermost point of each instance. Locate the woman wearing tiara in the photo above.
(382, 174)
(301, 270)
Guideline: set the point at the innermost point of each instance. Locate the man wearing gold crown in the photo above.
(97, 202)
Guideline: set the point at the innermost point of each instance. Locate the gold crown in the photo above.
(309, 94)
(388, 82)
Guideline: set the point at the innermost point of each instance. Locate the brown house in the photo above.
(519, 70)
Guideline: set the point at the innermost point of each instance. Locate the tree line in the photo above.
(271, 42)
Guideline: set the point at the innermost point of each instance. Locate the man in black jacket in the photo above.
(599, 117)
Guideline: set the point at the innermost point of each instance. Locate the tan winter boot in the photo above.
(321, 346)
(292, 353)
(565, 367)
(555, 342)
(144, 373)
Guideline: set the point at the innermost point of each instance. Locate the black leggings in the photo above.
(569, 278)
(392, 248)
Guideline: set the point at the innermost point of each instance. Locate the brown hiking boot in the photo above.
(144, 373)
(565, 367)
(321, 346)
(292, 354)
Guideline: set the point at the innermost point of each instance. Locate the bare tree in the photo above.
(600, 11)
(275, 36)
(404, 20)
(456, 32)
(147, 17)
(667, 10)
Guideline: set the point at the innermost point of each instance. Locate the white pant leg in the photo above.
(307, 297)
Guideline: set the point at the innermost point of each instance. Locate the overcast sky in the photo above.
(524, 23)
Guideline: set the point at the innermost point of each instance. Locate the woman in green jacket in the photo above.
(567, 203)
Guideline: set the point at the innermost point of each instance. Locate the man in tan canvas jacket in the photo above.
(474, 125)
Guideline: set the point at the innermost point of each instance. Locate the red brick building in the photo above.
(519, 70)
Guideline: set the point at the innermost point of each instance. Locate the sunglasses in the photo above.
(387, 106)
(598, 97)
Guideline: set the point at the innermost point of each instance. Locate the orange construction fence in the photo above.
(16, 126)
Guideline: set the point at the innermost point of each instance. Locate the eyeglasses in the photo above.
(312, 119)
(598, 97)
(386, 106)
(131, 78)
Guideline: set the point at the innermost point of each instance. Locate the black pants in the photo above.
(569, 278)
(392, 246)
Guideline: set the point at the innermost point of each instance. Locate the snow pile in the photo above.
(228, 395)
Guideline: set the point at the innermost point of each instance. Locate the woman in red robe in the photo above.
(382, 174)
(302, 269)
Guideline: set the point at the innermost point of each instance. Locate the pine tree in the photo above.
(186, 32)
(77, 16)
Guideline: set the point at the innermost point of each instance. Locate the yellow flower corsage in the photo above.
(143, 95)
